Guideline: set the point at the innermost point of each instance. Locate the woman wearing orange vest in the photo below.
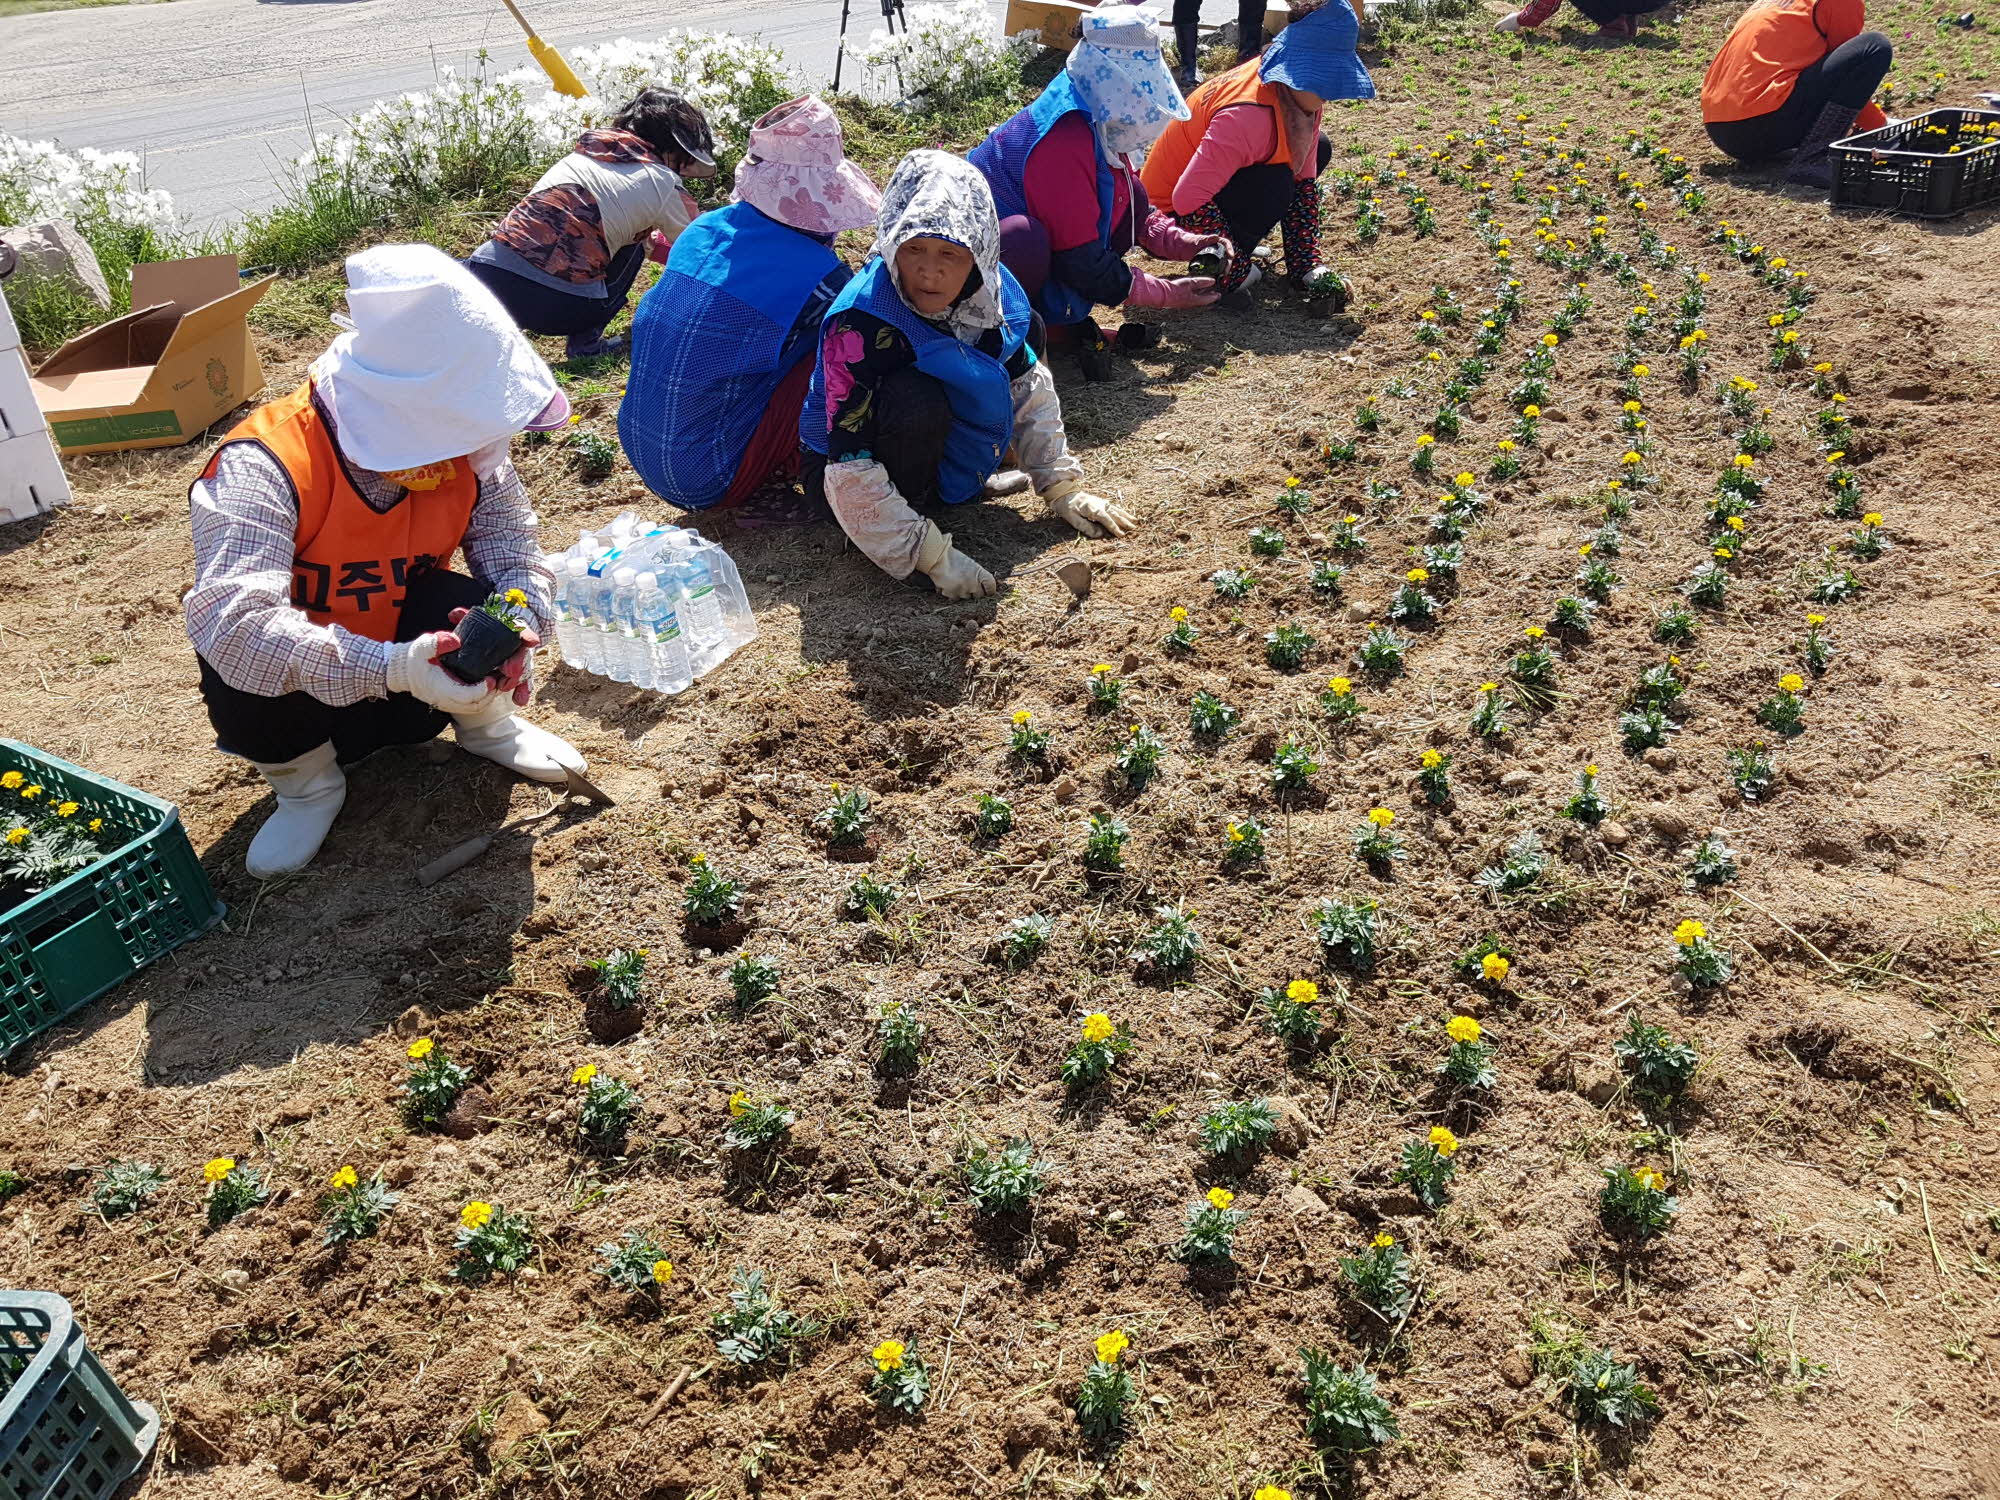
(1250, 157)
(324, 530)
(1795, 75)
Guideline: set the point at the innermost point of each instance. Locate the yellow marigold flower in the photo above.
(475, 1215)
(583, 1075)
(888, 1355)
(421, 1048)
(1382, 1242)
(1434, 354)
(1428, 316)
(1549, 341)
(1220, 1197)
(1777, 320)
(68, 809)
(1493, 968)
(1873, 518)
(1302, 992)
(1100, 669)
(1292, 481)
(1824, 367)
(1505, 445)
(1791, 682)
(1418, 575)
(1464, 1028)
(1271, 1492)
(1235, 834)
(1642, 371)
(1381, 817)
(1443, 1141)
(1177, 614)
(1531, 410)
(1021, 716)
(12, 780)
(1463, 481)
(1724, 553)
(738, 1102)
(1424, 440)
(219, 1168)
(1651, 1179)
(697, 859)
(1743, 461)
(516, 597)
(31, 791)
(345, 1177)
(1340, 686)
(663, 1272)
(1734, 523)
(1690, 932)
(1097, 1027)
(1702, 277)
(1815, 619)
(1111, 1345)
(1789, 336)
(1630, 459)
(1838, 399)
(1836, 456)
(17, 837)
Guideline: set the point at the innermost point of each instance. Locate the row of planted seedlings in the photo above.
(1345, 1411)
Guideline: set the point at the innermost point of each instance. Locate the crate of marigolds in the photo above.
(96, 881)
(1936, 165)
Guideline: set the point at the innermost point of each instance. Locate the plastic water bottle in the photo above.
(559, 598)
(701, 615)
(630, 660)
(660, 627)
(576, 591)
(597, 591)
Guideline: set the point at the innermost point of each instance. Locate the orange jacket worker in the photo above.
(1795, 75)
(324, 531)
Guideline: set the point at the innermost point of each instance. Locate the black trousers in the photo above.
(1847, 76)
(542, 309)
(1256, 198)
(1249, 26)
(272, 731)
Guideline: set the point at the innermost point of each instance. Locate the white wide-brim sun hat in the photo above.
(430, 366)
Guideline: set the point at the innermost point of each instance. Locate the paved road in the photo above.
(214, 93)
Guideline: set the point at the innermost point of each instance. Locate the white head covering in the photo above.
(1123, 81)
(945, 197)
(430, 367)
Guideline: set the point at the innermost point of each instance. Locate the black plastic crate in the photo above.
(1910, 168)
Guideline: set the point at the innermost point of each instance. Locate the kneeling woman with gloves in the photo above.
(324, 527)
(928, 373)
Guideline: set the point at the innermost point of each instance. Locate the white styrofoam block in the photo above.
(10, 335)
(19, 412)
(31, 477)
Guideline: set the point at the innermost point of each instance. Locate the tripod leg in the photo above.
(840, 48)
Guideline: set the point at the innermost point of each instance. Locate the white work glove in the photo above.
(413, 669)
(1090, 514)
(956, 575)
(1509, 22)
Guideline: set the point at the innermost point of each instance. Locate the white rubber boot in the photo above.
(496, 733)
(310, 792)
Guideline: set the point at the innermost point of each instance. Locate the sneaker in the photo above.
(593, 346)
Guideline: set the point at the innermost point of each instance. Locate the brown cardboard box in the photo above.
(160, 375)
(1054, 19)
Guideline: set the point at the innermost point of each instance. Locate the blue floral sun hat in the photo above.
(1315, 55)
(1118, 73)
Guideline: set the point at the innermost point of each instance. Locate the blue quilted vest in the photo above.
(1002, 158)
(710, 344)
(975, 383)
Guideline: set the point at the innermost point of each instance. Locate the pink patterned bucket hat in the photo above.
(796, 171)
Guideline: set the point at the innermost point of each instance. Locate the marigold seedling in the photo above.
(1104, 845)
(1816, 651)
(870, 897)
(1784, 712)
(1428, 1165)
(1023, 938)
(1106, 691)
(1172, 943)
(1468, 1061)
(1182, 634)
(1024, 740)
(1589, 806)
(901, 1035)
(1752, 772)
(1267, 541)
(1675, 625)
(1344, 536)
(1489, 721)
(1234, 1128)
(1643, 729)
(1834, 585)
(1701, 963)
(1573, 614)
(1099, 1046)
(1325, 579)
(1381, 651)
(754, 1328)
(491, 1239)
(900, 1381)
(1635, 1199)
(1210, 1231)
(1346, 930)
(752, 981)
(1659, 686)
(1380, 1277)
(1713, 862)
(232, 1190)
(1338, 702)
(1410, 602)
(846, 819)
(1658, 1064)
(1373, 841)
(1233, 583)
(1287, 645)
(1524, 863)
(432, 1086)
(756, 1124)
(709, 898)
(633, 1263)
(1603, 1390)
(352, 1209)
(621, 976)
(1434, 776)
(1294, 499)
(1209, 716)
(1106, 1390)
(607, 1109)
(1343, 1411)
(1003, 1181)
(1243, 841)
(992, 816)
(1292, 1013)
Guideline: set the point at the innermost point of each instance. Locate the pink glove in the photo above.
(1164, 238)
(1179, 291)
(658, 247)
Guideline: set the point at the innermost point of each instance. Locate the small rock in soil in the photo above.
(1304, 1202)
(1294, 1128)
(1616, 834)
(1660, 758)
(1516, 1370)
(1044, 1424)
(518, 1419)
(1516, 781)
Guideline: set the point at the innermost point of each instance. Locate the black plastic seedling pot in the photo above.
(484, 645)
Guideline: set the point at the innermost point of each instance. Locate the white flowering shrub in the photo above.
(101, 193)
(949, 53)
(477, 134)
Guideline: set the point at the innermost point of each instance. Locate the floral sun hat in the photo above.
(796, 171)
(933, 194)
(1117, 70)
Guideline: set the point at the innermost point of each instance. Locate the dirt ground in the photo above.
(1819, 1321)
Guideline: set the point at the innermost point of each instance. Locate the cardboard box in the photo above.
(1056, 20)
(31, 476)
(162, 374)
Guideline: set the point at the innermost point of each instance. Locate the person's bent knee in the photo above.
(908, 400)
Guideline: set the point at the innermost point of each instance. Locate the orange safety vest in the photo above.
(1175, 148)
(352, 564)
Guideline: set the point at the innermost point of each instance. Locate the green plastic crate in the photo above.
(66, 1431)
(66, 946)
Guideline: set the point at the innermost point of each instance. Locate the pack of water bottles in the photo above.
(655, 606)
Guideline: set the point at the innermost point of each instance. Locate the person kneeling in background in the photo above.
(1795, 75)
(1615, 18)
(927, 373)
(323, 528)
(722, 344)
(1252, 153)
(564, 259)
